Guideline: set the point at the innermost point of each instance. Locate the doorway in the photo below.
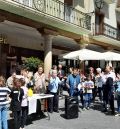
(118, 31)
(99, 23)
(68, 10)
(68, 2)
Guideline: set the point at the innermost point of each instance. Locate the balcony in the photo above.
(109, 1)
(107, 33)
(57, 10)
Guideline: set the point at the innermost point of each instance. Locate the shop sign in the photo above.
(3, 39)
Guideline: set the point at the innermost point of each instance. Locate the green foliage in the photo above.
(32, 63)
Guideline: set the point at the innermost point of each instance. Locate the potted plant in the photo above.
(32, 63)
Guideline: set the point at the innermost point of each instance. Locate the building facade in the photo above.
(48, 28)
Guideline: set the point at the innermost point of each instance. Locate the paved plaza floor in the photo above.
(88, 119)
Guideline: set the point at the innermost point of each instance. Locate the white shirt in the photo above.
(90, 84)
(105, 76)
(25, 97)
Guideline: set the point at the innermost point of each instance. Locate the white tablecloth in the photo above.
(32, 101)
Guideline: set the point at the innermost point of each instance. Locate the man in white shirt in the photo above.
(108, 89)
(109, 73)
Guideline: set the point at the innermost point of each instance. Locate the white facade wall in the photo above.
(86, 6)
(62, 1)
(79, 5)
(110, 14)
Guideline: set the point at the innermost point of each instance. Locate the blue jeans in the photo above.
(87, 99)
(100, 92)
(3, 117)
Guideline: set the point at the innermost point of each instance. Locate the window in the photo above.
(68, 2)
(99, 20)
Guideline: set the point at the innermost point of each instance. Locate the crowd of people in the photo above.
(104, 85)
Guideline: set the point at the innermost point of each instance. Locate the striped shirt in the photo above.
(4, 92)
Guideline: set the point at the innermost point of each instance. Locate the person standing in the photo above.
(92, 76)
(99, 83)
(40, 88)
(72, 83)
(108, 89)
(88, 86)
(61, 75)
(53, 89)
(39, 78)
(16, 95)
(4, 94)
(24, 74)
(24, 104)
(61, 72)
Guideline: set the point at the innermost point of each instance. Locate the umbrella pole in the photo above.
(110, 63)
(82, 65)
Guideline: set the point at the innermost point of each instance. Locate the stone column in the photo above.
(2, 60)
(47, 53)
(48, 35)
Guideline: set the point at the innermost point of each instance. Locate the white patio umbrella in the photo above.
(111, 56)
(84, 54)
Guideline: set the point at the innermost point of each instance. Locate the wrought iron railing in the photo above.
(58, 10)
(108, 31)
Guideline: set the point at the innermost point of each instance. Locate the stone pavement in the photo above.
(88, 119)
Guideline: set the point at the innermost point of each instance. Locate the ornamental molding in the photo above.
(39, 5)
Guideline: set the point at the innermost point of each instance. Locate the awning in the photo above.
(111, 56)
(84, 54)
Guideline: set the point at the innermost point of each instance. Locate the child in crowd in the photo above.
(88, 86)
(16, 95)
(24, 104)
(4, 94)
(99, 83)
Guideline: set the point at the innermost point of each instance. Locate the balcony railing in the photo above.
(108, 31)
(59, 10)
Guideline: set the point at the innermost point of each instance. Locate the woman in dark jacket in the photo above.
(109, 94)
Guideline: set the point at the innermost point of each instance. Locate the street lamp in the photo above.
(99, 4)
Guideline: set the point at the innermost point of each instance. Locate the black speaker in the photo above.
(71, 107)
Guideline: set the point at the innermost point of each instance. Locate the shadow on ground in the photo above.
(30, 120)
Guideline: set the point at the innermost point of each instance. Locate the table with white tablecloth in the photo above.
(32, 101)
